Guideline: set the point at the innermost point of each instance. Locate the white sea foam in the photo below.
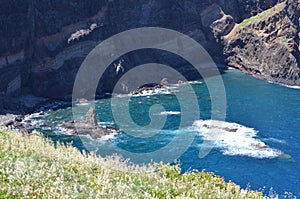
(105, 123)
(234, 139)
(64, 131)
(35, 115)
(108, 137)
(293, 87)
(288, 86)
(196, 82)
(170, 113)
(82, 104)
(231, 68)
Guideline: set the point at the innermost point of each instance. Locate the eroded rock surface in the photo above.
(267, 45)
(43, 43)
(89, 126)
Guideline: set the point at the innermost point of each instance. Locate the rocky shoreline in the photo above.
(89, 127)
(41, 56)
(39, 59)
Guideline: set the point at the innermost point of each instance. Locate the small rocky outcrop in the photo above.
(222, 27)
(149, 88)
(29, 125)
(266, 45)
(89, 126)
(91, 118)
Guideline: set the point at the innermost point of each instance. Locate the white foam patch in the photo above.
(65, 131)
(293, 87)
(196, 82)
(109, 137)
(234, 139)
(231, 68)
(285, 85)
(105, 123)
(35, 116)
(82, 104)
(170, 113)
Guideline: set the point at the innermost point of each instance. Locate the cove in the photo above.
(259, 142)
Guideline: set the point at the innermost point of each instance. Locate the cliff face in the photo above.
(266, 45)
(43, 43)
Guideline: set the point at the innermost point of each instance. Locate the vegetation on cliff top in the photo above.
(31, 167)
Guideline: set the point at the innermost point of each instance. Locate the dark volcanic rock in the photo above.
(150, 88)
(91, 117)
(89, 126)
(43, 43)
(266, 46)
(222, 26)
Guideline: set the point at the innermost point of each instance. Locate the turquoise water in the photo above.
(261, 150)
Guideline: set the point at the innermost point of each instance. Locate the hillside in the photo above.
(31, 167)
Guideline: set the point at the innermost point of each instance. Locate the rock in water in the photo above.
(89, 126)
(91, 117)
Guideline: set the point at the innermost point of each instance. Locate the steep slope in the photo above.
(266, 45)
(43, 43)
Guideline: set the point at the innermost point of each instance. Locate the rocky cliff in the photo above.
(267, 45)
(43, 43)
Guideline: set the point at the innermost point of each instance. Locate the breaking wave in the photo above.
(235, 139)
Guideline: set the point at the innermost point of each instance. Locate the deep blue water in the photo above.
(270, 111)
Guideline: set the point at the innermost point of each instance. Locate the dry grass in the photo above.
(31, 167)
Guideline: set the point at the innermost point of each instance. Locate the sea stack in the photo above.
(91, 117)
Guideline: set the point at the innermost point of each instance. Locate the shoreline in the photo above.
(29, 104)
(261, 77)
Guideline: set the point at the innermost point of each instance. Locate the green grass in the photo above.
(285, 40)
(31, 167)
(256, 18)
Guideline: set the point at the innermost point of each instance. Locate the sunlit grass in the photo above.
(31, 167)
(256, 18)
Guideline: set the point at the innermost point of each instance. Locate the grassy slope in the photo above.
(257, 17)
(31, 167)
